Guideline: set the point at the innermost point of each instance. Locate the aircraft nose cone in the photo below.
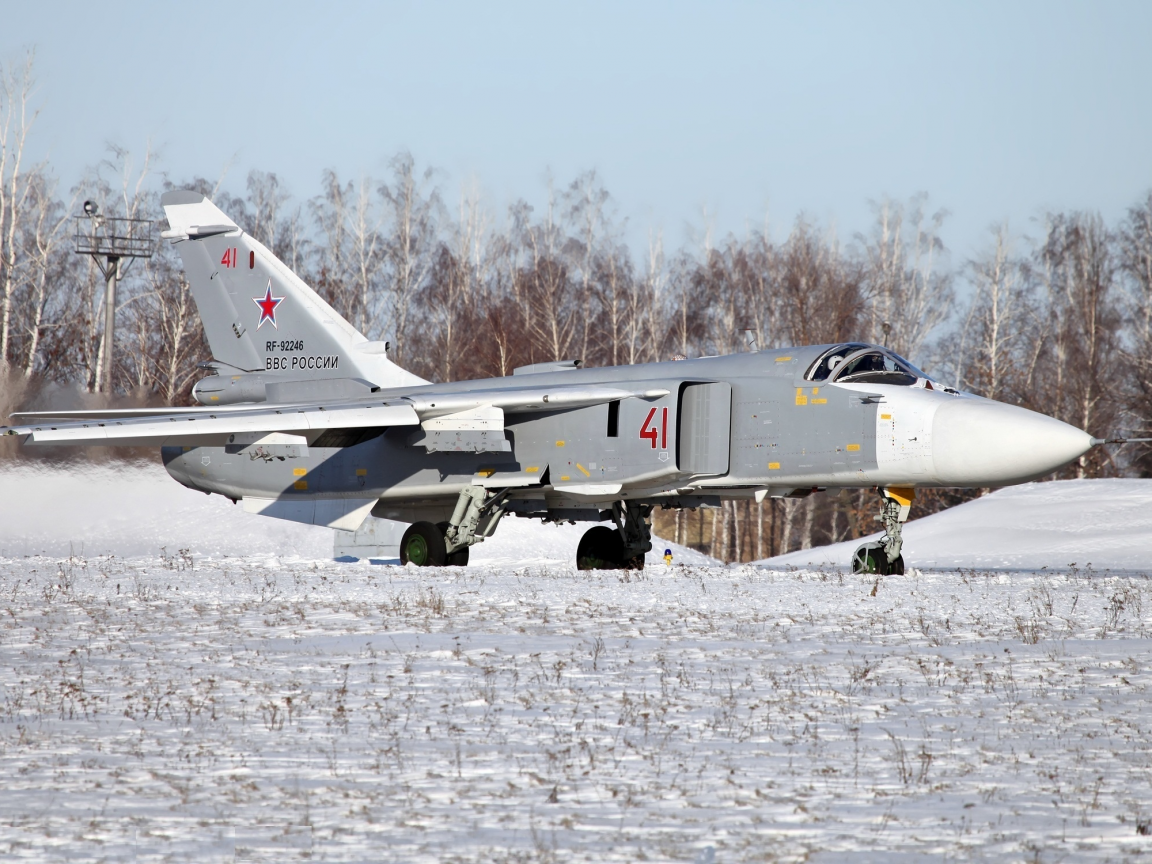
(986, 443)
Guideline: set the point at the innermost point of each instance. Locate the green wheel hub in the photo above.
(422, 545)
(417, 550)
(873, 562)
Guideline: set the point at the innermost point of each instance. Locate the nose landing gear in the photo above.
(882, 556)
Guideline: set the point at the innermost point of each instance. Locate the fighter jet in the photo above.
(304, 418)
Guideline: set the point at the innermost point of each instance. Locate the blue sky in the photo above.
(996, 110)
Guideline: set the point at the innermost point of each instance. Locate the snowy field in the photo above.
(250, 699)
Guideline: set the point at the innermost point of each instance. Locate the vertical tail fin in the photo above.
(260, 316)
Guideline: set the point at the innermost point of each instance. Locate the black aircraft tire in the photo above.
(423, 545)
(871, 560)
(635, 563)
(878, 562)
(459, 558)
(896, 568)
(600, 549)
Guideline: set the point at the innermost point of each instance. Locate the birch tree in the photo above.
(45, 244)
(414, 209)
(452, 301)
(543, 285)
(1079, 268)
(16, 120)
(1135, 236)
(330, 213)
(905, 284)
(996, 327)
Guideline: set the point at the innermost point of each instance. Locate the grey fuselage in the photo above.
(740, 425)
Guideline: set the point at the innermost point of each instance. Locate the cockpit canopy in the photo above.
(831, 359)
(859, 363)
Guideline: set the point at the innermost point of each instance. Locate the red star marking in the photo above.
(267, 305)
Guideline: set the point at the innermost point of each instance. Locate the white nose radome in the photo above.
(978, 442)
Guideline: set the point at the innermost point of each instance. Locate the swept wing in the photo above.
(214, 426)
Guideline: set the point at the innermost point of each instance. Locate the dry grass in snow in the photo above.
(260, 709)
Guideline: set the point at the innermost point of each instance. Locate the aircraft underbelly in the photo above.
(379, 468)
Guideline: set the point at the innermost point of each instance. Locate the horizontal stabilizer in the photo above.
(347, 514)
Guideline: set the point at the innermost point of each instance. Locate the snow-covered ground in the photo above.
(1101, 524)
(251, 699)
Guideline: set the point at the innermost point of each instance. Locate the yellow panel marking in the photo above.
(486, 472)
(853, 447)
(815, 390)
(186, 449)
(531, 469)
(299, 472)
(583, 469)
(559, 443)
(783, 359)
(215, 398)
(819, 401)
(773, 466)
(885, 416)
(300, 484)
(801, 399)
(903, 495)
(565, 477)
(361, 472)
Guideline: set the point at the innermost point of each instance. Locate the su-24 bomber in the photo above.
(306, 419)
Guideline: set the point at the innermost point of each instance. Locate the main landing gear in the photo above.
(478, 511)
(882, 556)
(423, 545)
(619, 548)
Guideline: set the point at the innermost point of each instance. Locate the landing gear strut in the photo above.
(478, 511)
(882, 556)
(602, 548)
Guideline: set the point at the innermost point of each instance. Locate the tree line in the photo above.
(1059, 321)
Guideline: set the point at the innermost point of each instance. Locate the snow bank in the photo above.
(1105, 524)
(129, 510)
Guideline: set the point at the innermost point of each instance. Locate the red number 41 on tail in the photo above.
(650, 432)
